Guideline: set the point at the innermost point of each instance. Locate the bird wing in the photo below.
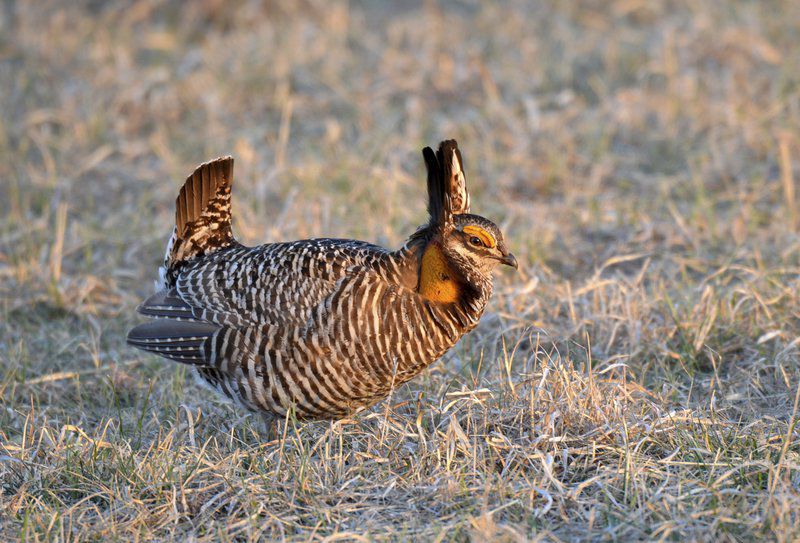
(276, 284)
(247, 288)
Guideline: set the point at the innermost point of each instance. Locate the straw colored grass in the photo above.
(638, 379)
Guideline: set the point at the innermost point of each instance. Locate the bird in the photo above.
(321, 328)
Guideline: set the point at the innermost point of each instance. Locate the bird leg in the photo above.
(270, 427)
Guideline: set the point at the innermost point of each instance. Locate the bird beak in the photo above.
(510, 260)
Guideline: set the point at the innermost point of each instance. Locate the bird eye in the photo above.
(475, 240)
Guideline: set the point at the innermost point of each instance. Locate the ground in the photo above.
(637, 378)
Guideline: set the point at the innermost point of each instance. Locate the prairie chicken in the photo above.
(326, 327)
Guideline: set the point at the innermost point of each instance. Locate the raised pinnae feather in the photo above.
(436, 203)
(447, 183)
(454, 179)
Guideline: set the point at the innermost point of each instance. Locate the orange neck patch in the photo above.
(487, 239)
(436, 280)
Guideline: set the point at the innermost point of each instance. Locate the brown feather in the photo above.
(454, 180)
(203, 213)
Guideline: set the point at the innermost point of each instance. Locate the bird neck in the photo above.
(438, 282)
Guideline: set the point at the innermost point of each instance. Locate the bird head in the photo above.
(473, 243)
(476, 243)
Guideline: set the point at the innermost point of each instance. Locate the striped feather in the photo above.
(202, 216)
(166, 304)
(177, 340)
(455, 181)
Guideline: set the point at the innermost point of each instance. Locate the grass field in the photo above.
(638, 379)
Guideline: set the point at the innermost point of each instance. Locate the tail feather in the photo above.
(206, 194)
(202, 215)
(202, 226)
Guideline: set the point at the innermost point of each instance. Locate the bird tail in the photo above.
(202, 217)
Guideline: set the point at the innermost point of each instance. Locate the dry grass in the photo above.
(638, 379)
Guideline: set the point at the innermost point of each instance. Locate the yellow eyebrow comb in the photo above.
(482, 234)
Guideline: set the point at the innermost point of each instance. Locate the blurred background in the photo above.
(589, 130)
(642, 158)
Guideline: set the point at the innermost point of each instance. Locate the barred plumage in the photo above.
(324, 326)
